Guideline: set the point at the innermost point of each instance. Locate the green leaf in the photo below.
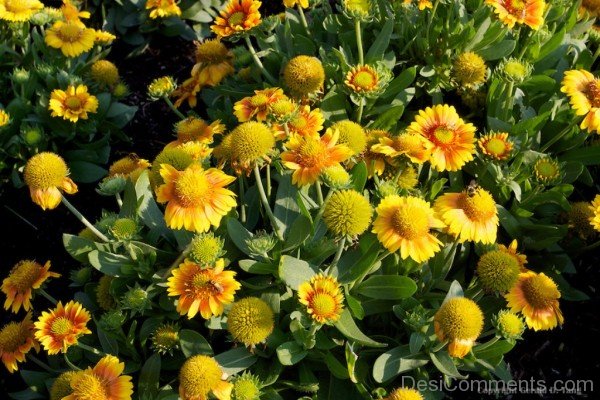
(149, 378)
(589, 155)
(236, 360)
(493, 352)
(387, 287)
(395, 362)
(336, 367)
(238, 234)
(257, 268)
(290, 353)
(147, 208)
(193, 343)
(348, 328)
(359, 176)
(299, 232)
(78, 247)
(381, 42)
(109, 263)
(333, 105)
(294, 271)
(498, 50)
(286, 208)
(445, 364)
(355, 263)
(400, 83)
(86, 172)
(388, 118)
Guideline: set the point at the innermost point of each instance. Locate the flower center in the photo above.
(24, 275)
(496, 146)
(211, 51)
(61, 326)
(540, 291)
(410, 222)
(299, 122)
(259, 100)
(236, 19)
(73, 103)
(443, 135)
(192, 188)
(11, 337)
(515, 7)
(283, 107)
(515, 69)
(592, 92)
(199, 375)
(70, 32)
(87, 386)
(546, 169)
(312, 153)
(323, 304)
(479, 206)
(365, 80)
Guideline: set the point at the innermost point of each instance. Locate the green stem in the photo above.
(178, 260)
(557, 137)
(40, 363)
(359, 114)
(508, 101)
(91, 349)
(265, 201)
(358, 32)
(321, 209)
(364, 274)
(319, 192)
(268, 179)
(172, 107)
(257, 61)
(303, 20)
(83, 220)
(47, 296)
(431, 16)
(242, 205)
(70, 364)
(338, 253)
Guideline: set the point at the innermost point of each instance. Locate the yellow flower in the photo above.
(72, 104)
(509, 325)
(196, 198)
(237, 17)
(4, 118)
(306, 121)
(460, 322)
(257, 106)
(546, 170)
(251, 142)
(103, 37)
(293, 3)
(595, 207)
(309, 155)
(246, 387)
(335, 176)
(469, 69)
(71, 37)
(536, 297)
(422, 4)
(250, 321)
(165, 338)
(579, 217)
(583, 90)
(416, 147)
(16, 340)
(352, 135)
(18, 10)
(528, 12)
(46, 174)
(105, 72)
(128, 167)
(303, 75)
(512, 251)
(214, 62)
(322, 297)
(347, 213)
(498, 271)
(404, 223)
(23, 279)
(201, 289)
(200, 376)
(61, 328)
(188, 90)
(362, 79)
(173, 156)
(196, 129)
(103, 381)
(469, 215)
(61, 387)
(404, 394)
(162, 8)
(496, 145)
(358, 8)
(408, 178)
(71, 13)
(161, 87)
(375, 161)
(452, 139)
(206, 248)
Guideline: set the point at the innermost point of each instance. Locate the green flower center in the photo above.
(236, 19)
(61, 326)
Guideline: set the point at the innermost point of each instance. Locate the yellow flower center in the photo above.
(70, 32)
(73, 103)
(511, 324)
(546, 169)
(443, 135)
(250, 321)
(365, 80)
(198, 376)
(212, 52)
(283, 107)
(165, 338)
(496, 146)
(323, 304)
(61, 326)
(540, 291)
(515, 69)
(192, 187)
(299, 122)
(237, 18)
(311, 153)
(460, 318)
(45, 170)
(24, 275)
(515, 6)
(12, 336)
(592, 92)
(259, 100)
(411, 222)
(87, 386)
(479, 206)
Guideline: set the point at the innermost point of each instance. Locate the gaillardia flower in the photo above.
(104, 72)
(509, 325)
(250, 321)
(237, 17)
(4, 118)
(595, 207)
(251, 143)
(352, 135)
(161, 87)
(187, 91)
(16, 340)
(72, 104)
(347, 213)
(579, 217)
(498, 271)
(470, 215)
(165, 338)
(128, 167)
(61, 387)
(404, 223)
(162, 8)
(196, 129)
(546, 170)
(257, 106)
(362, 79)
(496, 145)
(61, 328)
(201, 289)
(336, 177)
(536, 297)
(303, 75)
(322, 297)
(309, 155)
(422, 4)
(247, 386)
(104, 381)
(73, 38)
(19, 10)
(528, 12)
(404, 393)
(512, 251)
(46, 174)
(453, 140)
(201, 376)
(214, 61)
(459, 321)
(196, 198)
(415, 147)
(469, 69)
(206, 248)
(23, 279)
(306, 121)
(583, 90)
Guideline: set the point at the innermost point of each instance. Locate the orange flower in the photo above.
(187, 91)
(162, 8)
(196, 129)
(104, 381)
(307, 121)
(61, 328)
(583, 89)
(18, 286)
(362, 79)
(196, 198)
(496, 145)
(16, 340)
(309, 155)
(528, 12)
(238, 16)
(214, 62)
(322, 297)
(205, 290)
(413, 146)
(375, 161)
(257, 106)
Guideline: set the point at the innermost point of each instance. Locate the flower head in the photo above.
(306, 121)
(104, 298)
(196, 198)
(72, 104)
(347, 213)
(452, 139)
(509, 325)
(73, 38)
(512, 251)
(206, 248)
(309, 155)
(404, 223)
(129, 167)
(200, 376)
(162, 8)
(595, 218)
(161, 87)
(352, 135)
(579, 217)
(408, 177)
(61, 387)
(16, 340)
(323, 298)
(536, 297)
(165, 338)
(292, 3)
(103, 37)
(362, 79)
(176, 157)
(459, 321)
(238, 16)
(250, 321)
(247, 386)
(422, 4)
(188, 90)
(201, 289)
(4, 118)
(469, 69)
(19, 10)
(583, 90)
(513, 70)
(335, 176)
(258, 105)
(61, 328)
(304, 75)
(360, 9)
(23, 279)
(546, 170)
(104, 72)
(415, 147)
(404, 394)
(470, 215)
(196, 129)
(251, 142)
(496, 146)
(498, 271)
(103, 381)
(214, 61)
(46, 174)
(528, 12)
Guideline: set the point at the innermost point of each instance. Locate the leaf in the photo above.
(445, 364)
(238, 234)
(498, 50)
(387, 287)
(257, 268)
(395, 362)
(149, 378)
(78, 247)
(298, 233)
(109, 263)
(359, 176)
(335, 367)
(193, 343)
(333, 105)
(355, 264)
(493, 352)
(290, 353)
(400, 83)
(348, 328)
(286, 208)
(294, 271)
(86, 172)
(455, 290)
(147, 208)
(236, 360)
(589, 155)
(381, 42)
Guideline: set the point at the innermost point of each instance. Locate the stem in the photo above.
(83, 220)
(40, 363)
(47, 296)
(431, 16)
(320, 213)
(178, 260)
(360, 110)
(364, 274)
(357, 30)
(268, 168)
(91, 349)
(259, 63)
(70, 364)
(265, 201)
(242, 205)
(319, 192)
(338, 253)
(557, 137)
(303, 20)
(172, 107)
(508, 101)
